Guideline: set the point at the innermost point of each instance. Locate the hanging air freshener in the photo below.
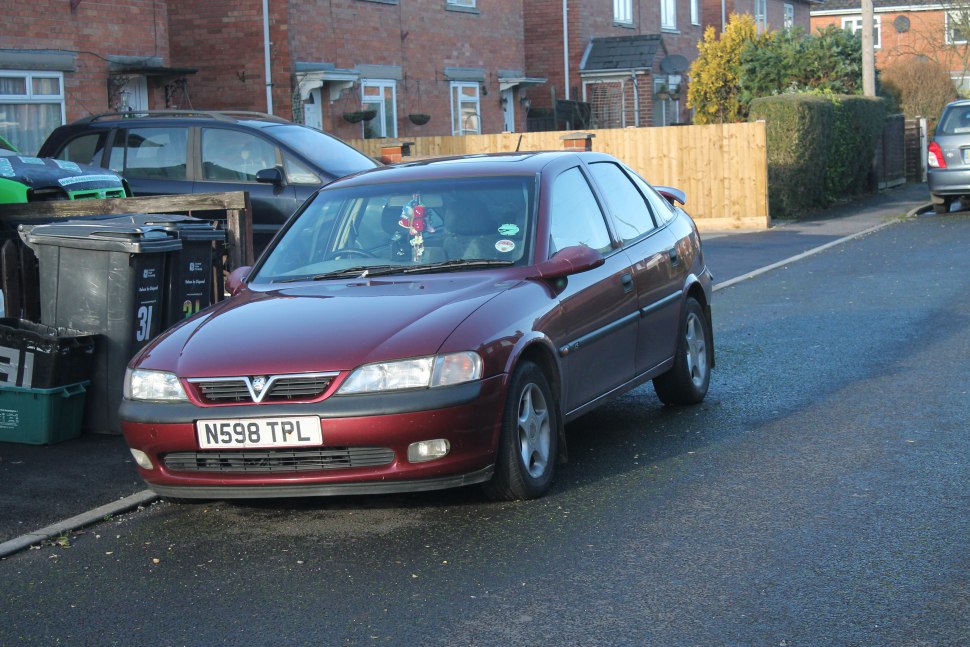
(413, 218)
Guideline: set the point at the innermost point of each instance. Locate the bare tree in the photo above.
(947, 44)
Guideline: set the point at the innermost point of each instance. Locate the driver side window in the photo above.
(575, 217)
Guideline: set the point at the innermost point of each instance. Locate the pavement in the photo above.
(50, 490)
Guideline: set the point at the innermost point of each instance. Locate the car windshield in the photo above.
(326, 152)
(395, 228)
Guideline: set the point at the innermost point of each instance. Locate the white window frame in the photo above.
(761, 15)
(668, 15)
(462, 3)
(695, 12)
(623, 12)
(854, 24)
(29, 97)
(789, 20)
(949, 32)
(458, 100)
(386, 122)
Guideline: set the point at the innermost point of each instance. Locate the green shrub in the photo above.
(820, 148)
(856, 131)
(798, 133)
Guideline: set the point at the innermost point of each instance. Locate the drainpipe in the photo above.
(269, 66)
(723, 14)
(565, 46)
(636, 99)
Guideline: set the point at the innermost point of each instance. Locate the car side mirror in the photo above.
(270, 176)
(672, 195)
(568, 261)
(236, 280)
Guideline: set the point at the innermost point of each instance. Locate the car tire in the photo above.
(688, 379)
(941, 203)
(529, 440)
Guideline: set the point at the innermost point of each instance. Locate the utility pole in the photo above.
(868, 51)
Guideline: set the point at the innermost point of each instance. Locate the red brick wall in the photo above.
(421, 37)
(590, 19)
(94, 30)
(223, 40)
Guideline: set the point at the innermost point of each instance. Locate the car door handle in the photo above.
(627, 281)
(674, 257)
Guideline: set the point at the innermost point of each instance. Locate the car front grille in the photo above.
(279, 460)
(278, 388)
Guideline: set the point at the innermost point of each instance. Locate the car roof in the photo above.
(484, 165)
(240, 117)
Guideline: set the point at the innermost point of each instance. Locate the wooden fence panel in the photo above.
(723, 168)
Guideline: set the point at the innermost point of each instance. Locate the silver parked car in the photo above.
(948, 157)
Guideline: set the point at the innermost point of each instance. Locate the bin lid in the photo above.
(188, 228)
(102, 235)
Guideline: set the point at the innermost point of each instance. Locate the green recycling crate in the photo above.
(41, 416)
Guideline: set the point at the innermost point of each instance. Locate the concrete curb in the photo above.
(79, 521)
(912, 213)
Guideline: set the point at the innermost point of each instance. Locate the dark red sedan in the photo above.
(428, 325)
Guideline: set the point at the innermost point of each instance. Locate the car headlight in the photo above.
(157, 386)
(415, 373)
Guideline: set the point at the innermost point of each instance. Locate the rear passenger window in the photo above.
(631, 215)
(86, 149)
(575, 217)
(157, 153)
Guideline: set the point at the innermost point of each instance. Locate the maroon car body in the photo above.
(478, 343)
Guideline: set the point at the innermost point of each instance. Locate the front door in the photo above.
(508, 111)
(599, 307)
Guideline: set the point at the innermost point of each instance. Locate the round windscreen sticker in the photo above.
(505, 246)
(508, 230)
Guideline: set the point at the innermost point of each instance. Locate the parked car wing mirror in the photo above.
(568, 261)
(671, 194)
(237, 279)
(270, 176)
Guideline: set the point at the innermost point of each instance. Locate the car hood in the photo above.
(322, 326)
(45, 172)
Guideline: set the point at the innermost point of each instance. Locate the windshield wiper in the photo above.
(444, 266)
(360, 271)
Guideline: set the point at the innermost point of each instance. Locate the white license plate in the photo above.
(243, 433)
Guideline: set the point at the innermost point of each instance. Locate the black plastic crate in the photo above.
(36, 356)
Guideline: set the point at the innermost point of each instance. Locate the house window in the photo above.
(666, 99)
(668, 14)
(381, 97)
(761, 15)
(31, 106)
(957, 27)
(854, 24)
(465, 109)
(623, 11)
(789, 16)
(695, 12)
(462, 3)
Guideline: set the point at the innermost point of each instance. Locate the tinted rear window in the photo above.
(955, 121)
(328, 153)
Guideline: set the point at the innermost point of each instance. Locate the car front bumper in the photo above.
(467, 416)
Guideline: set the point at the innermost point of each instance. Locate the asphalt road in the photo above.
(818, 497)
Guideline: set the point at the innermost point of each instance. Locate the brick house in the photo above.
(768, 15)
(460, 62)
(938, 31)
(627, 59)
(63, 59)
